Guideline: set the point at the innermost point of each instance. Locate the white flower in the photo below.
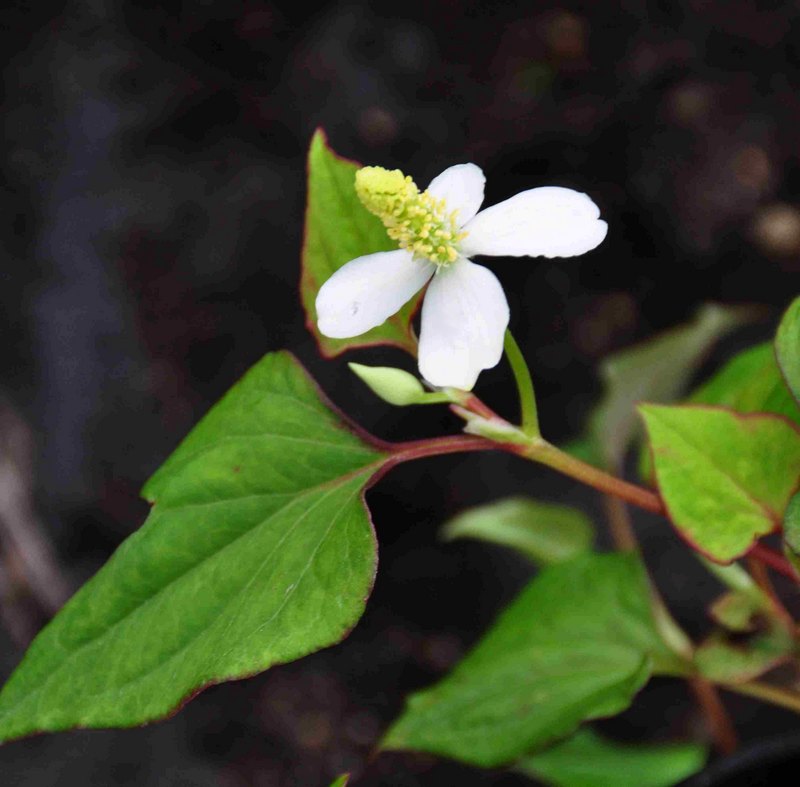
(465, 312)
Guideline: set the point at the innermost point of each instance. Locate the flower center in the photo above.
(416, 220)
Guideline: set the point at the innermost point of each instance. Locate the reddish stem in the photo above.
(475, 405)
(720, 724)
(620, 524)
(760, 574)
(565, 463)
(435, 446)
(774, 560)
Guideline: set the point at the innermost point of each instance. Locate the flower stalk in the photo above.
(522, 376)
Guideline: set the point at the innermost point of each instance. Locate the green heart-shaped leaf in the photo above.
(725, 478)
(750, 382)
(258, 550)
(576, 644)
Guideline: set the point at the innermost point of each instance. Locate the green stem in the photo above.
(775, 695)
(733, 576)
(541, 451)
(527, 395)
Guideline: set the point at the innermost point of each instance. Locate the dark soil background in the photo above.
(153, 190)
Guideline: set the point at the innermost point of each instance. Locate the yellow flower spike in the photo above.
(412, 218)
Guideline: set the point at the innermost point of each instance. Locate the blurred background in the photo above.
(153, 193)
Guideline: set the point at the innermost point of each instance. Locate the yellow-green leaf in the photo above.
(655, 370)
(750, 382)
(725, 478)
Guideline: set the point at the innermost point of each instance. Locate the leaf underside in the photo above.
(258, 550)
(543, 532)
(338, 228)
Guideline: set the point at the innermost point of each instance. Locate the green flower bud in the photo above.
(396, 386)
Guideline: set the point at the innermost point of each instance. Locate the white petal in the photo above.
(461, 187)
(367, 291)
(548, 221)
(464, 319)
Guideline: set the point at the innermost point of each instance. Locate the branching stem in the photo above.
(537, 449)
(475, 405)
(774, 560)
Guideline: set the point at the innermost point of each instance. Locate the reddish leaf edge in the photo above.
(325, 350)
(395, 454)
(685, 537)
